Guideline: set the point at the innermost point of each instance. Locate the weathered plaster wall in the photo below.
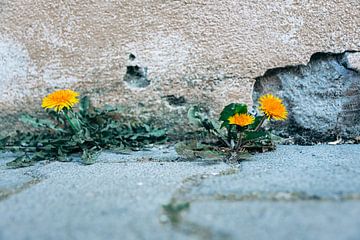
(204, 52)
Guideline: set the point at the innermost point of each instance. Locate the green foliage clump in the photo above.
(174, 209)
(236, 133)
(84, 132)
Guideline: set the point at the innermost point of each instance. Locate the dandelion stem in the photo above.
(239, 143)
(70, 122)
(260, 123)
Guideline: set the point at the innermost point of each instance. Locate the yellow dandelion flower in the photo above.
(273, 107)
(241, 120)
(60, 99)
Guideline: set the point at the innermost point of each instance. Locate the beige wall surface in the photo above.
(207, 52)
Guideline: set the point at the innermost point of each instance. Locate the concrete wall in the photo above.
(176, 53)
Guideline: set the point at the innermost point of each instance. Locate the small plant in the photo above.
(174, 209)
(237, 132)
(85, 131)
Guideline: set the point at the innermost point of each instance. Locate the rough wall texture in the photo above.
(157, 57)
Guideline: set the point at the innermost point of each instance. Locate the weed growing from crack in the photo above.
(174, 209)
(237, 132)
(84, 131)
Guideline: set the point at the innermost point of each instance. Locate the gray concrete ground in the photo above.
(295, 192)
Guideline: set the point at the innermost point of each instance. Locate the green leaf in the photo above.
(3, 141)
(253, 135)
(41, 155)
(259, 141)
(84, 105)
(89, 156)
(39, 123)
(231, 110)
(21, 161)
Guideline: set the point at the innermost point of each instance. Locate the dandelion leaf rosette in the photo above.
(93, 129)
(231, 110)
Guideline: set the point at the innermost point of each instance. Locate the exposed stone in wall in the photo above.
(323, 97)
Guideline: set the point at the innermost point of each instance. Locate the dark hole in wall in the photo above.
(322, 97)
(131, 57)
(175, 101)
(136, 76)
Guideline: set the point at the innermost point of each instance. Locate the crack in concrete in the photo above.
(193, 181)
(184, 195)
(35, 179)
(201, 232)
(278, 196)
(4, 194)
(180, 196)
